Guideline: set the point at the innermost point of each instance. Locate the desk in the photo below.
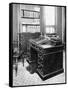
(49, 60)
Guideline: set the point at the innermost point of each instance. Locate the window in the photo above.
(50, 19)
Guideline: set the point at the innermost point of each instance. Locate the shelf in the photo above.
(30, 10)
(30, 18)
(30, 14)
(32, 24)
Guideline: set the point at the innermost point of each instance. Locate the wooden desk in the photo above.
(49, 60)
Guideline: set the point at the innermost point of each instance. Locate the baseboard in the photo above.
(47, 76)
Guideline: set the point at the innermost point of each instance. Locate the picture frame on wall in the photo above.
(37, 44)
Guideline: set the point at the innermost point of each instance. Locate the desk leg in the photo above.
(16, 67)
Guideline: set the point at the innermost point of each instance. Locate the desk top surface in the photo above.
(44, 43)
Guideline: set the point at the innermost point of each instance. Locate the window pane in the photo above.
(23, 28)
(50, 30)
(50, 15)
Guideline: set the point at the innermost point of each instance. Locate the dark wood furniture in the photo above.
(24, 40)
(48, 61)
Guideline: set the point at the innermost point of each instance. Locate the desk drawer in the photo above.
(53, 49)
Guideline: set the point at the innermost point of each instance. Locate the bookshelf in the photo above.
(30, 19)
(31, 14)
(29, 25)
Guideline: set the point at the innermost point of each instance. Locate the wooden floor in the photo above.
(25, 78)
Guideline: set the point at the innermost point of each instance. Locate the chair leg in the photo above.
(16, 67)
(23, 62)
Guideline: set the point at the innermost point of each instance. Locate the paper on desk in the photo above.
(45, 46)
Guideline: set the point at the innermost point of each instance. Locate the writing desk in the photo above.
(47, 58)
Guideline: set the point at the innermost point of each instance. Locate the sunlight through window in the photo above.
(50, 15)
(50, 19)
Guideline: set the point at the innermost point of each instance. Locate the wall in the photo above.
(63, 25)
(15, 21)
(59, 22)
(42, 19)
